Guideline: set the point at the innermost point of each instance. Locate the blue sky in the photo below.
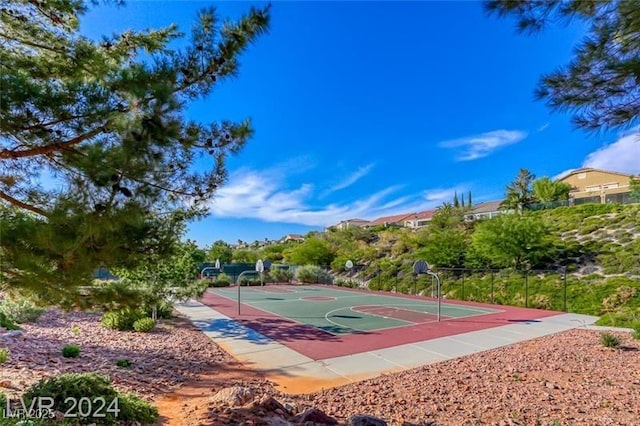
(365, 109)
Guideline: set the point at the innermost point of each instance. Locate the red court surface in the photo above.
(318, 344)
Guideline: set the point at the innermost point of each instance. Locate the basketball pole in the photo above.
(433, 274)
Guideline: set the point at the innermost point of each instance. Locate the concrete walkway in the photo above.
(296, 373)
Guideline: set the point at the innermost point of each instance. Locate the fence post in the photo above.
(463, 285)
(526, 288)
(492, 299)
(379, 280)
(564, 290)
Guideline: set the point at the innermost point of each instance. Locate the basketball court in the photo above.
(313, 336)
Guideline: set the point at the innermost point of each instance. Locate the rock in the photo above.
(365, 420)
(235, 396)
(12, 333)
(313, 415)
(270, 404)
(277, 421)
(290, 407)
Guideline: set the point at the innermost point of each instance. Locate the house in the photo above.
(598, 186)
(292, 237)
(350, 223)
(420, 219)
(397, 220)
(485, 210)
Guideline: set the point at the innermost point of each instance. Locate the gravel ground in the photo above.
(565, 379)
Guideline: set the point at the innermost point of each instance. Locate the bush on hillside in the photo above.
(311, 274)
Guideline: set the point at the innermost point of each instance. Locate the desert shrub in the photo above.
(313, 274)
(636, 330)
(609, 340)
(540, 301)
(7, 322)
(121, 320)
(20, 310)
(222, 280)
(4, 355)
(66, 388)
(621, 297)
(124, 363)
(282, 275)
(144, 325)
(135, 409)
(71, 351)
(622, 317)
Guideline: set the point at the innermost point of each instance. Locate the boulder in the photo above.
(314, 416)
(235, 396)
(365, 420)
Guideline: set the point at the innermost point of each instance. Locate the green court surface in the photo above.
(342, 312)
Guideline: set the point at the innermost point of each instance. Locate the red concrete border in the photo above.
(318, 344)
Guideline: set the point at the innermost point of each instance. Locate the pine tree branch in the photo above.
(32, 44)
(47, 149)
(62, 120)
(22, 205)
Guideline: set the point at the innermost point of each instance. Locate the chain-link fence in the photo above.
(541, 289)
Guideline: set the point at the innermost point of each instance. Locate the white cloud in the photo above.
(352, 178)
(543, 127)
(621, 156)
(263, 195)
(479, 146)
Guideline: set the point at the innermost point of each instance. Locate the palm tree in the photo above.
(546, 190)
(519, 192)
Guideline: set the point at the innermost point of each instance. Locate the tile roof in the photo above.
(391, 219)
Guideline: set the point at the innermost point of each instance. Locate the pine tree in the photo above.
(469, 203)
(456, 202)
(600, 84)
(519, 192)
(109, 125)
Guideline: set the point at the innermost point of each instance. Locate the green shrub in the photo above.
(609, 340)
(122, 320)
(144, 325)
(75, 330)
(124, 363)
(135, 409)
(282, 275)
(623, 317)
(20, 310)
(71, 351)
(222, 280)
(636, 330)
(66, 388)
(4, 356)
(7, 322)
(313, 274)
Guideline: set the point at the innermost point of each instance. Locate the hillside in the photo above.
(509, 259)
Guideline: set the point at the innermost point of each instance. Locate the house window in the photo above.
(592, 188)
